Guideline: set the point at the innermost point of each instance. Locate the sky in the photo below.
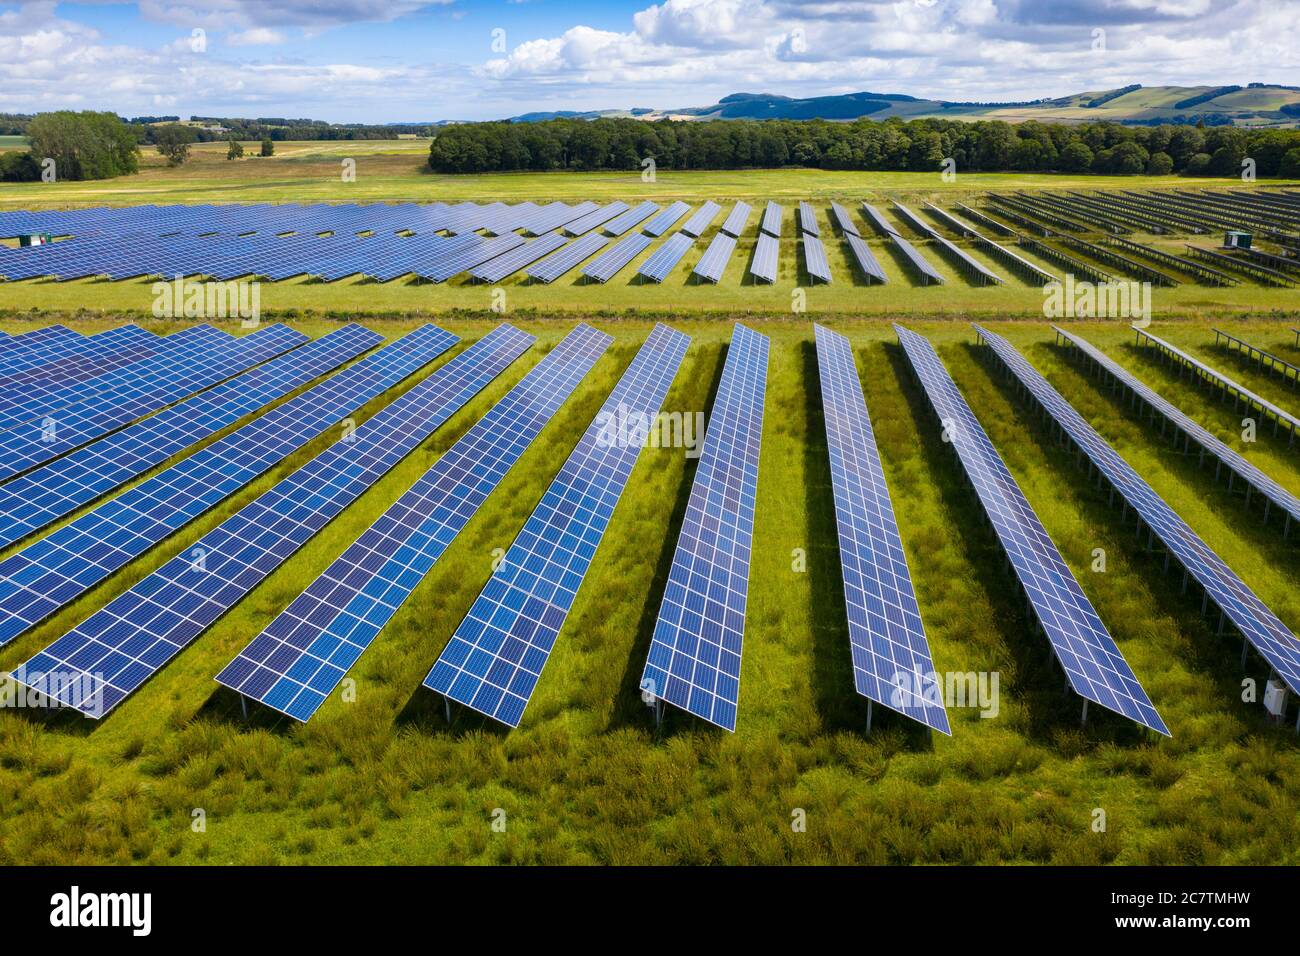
(380, 61)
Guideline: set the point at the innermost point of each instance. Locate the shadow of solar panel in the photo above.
(703, 217)
(891, 657)
(714, 260)
(612, 261)
(633, 217)
(1084, 648)
(302, 655)
(763, 265)
(665, 220)
(34, 500)
(1257, 624)
(122, 645)
(664, 259)
(814, 258)
(808, 220)
(866, 259)
(550, 269)
(1274, 493)
(50, 572)
(924, 271)
(494, 659)
(735, 222)
(771, 223)
(695, 651)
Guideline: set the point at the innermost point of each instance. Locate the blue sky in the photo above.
(395, 60)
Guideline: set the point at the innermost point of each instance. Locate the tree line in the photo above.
(921, 145)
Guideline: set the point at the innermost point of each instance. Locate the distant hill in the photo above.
(1257, 104)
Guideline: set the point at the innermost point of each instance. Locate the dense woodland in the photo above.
(918, 145)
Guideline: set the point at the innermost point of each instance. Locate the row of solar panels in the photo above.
(495, 657)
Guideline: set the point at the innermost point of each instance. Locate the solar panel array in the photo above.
(630, 219)
(34, 500)
(597, 217)
(297, 661)
(877, 219)
(1237, 466)
(866, 259)
(924, 271)
(763, 265)
(66, 360)
(808, 220)
(614, 259)
(131, 396)
(735, 222)
(1086, 651)
(665, 220)
(578, 251)
(695, 650)
(771, 223)
(1252, 618)
(814, 258)
(494, 270)
(664, 259)
(891, 657)
(52, 571)
(715, 257)
(495, 657)
(844, 220)
(703, 217)
(122, 645)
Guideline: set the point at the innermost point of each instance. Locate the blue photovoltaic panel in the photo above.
(763, 266)
(877, 219)
(891, 657)
(694, 660)
(122, 645)
(664, 259)
(924, 270)
(715, 257)
(302, 655)
(912, 219)
(52, 571)
(696, 225)
(814, 258)
(1252, 618)
(612, 261)
(61, 362)
(664, 221)
(1235, 463)
(494, 270)
(734, 224)
(808, 220)
(967, 263)
(634, 216)
(554, 266)
(844, 220)
(32, 501)
(1087, 653)
(772, 220)
(866, 259)
(493, 661)
(597, 217)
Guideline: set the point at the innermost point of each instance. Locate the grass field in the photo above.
(586, 778)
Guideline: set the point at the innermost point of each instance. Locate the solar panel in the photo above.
(32, 501)
(495, 657)
(925, 272)
(735, 222)
(554, 266)
(1087, 653)
(877, 220)
(637, 214)
(494, 270)
(814, 258)
(866, 260)
(695, 651)
(299, 659)
(808, 220)
(1238, 467)
(771, 224)
(763, 265)
(1237, 391)
(612, 261)
(973, 268)
(700, 221)
(665, 220)
(595, 218)
(122, 645)
(891, 657)
(33, 443)
(1238, 604)
(715, 257)
(665, 258)
(844, 220)
(52, 571)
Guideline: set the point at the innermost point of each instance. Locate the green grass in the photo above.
(586, 778)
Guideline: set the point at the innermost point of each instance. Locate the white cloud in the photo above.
(257, 36)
